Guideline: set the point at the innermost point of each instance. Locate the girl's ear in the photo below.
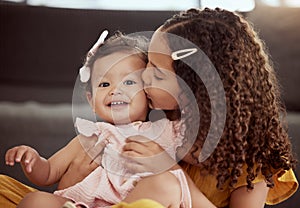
(89, 98)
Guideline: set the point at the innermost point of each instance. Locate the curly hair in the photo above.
(255, 132)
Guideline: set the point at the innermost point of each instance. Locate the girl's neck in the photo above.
(173, 115)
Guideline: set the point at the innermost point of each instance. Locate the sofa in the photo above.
(43, 48)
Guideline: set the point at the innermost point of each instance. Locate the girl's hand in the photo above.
(25, 155)
(96, 151)
(144, 155)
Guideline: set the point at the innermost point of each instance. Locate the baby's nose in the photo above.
(115, 91)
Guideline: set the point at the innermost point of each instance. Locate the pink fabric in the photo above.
(111, 182)
(186, 200)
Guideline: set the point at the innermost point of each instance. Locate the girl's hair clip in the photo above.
(85, 72)
(180, 54)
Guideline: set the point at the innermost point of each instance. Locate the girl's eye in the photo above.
(129, 82)
(156, 76)
(104, 84)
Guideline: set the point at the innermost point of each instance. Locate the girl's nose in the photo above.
(146, 76)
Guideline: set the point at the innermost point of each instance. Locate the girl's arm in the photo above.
(149, 156)
(255, 198)
(198, 198)
(145, 155)
(240, 197)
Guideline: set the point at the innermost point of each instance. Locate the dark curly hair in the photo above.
(255, 132)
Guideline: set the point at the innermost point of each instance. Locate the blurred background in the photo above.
(43, 44)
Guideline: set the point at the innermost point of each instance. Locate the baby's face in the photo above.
(118, 95)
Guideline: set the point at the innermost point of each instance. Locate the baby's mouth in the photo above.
(117, 103)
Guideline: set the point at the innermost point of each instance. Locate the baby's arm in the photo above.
(35, 167)
(38, 169)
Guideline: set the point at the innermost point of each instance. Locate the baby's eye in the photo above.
(129, 82)
(104, 84)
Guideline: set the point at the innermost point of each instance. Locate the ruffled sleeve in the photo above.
(86, 127)
(285, 185)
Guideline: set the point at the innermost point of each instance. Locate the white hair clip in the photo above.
(85, 72)
(180, 54)
(99, 42)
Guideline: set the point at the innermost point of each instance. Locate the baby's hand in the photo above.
(25, 155)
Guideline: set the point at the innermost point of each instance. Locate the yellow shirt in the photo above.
(285, 185)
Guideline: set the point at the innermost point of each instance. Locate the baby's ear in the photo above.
(89, 98)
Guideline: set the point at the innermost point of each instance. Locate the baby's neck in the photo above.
(156, 115)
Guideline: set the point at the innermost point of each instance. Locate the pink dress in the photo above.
(110, 183)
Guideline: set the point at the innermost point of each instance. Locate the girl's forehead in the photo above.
(159, 43)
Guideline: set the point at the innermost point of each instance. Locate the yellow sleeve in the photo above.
(285, 185)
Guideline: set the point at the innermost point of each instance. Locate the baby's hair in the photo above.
(118, 42)
(255, 134)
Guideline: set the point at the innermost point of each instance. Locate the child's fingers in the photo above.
(131, 154)
(29, 164)
(151, 163)
(134, 149)
(19, 154)
(15, 155)
(147, 146)
(150, 149)
(106, 136)
(10, 157)
(94, 164)
(96, 151)
(139, 139)
(29, 159)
